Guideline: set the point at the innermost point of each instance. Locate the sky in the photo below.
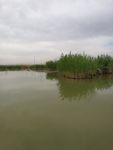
(46, 28)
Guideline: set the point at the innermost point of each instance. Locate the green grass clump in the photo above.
(105, 61)
(77, 64)
(51, 65)
(83, 66)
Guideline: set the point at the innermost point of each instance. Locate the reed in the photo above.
(10, 67)
(22, 67)
(83, 66)
(51, 65)
(37, 67)
(105, 61)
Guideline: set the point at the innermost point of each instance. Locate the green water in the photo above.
(41, 112)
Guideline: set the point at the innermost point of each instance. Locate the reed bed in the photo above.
(77, 64)
(10, 67)
(52, 65)
(22, 67)
(82, 66)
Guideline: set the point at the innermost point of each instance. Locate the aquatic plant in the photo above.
(77, 64)
(51, 65)
(84, 66)
(22, 67)
(10, 67)
(104, 61)
(37, 67)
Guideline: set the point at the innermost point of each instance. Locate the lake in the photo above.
(39, 111)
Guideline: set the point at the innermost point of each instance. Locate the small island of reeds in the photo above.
(78, 66)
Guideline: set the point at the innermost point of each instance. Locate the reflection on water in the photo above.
(34, 117)
(80, 89)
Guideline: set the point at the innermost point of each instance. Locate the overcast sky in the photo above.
(46, 28)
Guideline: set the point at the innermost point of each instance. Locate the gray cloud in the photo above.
(45, 28)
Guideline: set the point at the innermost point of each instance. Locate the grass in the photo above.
(77, 64)
(10, 67)
(22, 67)
(81, 66)
(51, 65)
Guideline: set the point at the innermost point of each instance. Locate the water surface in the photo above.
(42, 112)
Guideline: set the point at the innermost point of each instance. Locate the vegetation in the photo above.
(10, 67)
(37, 67)
(51, 65)
(82, 66)
(105, 61)
(75, 66)
(22, 67)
